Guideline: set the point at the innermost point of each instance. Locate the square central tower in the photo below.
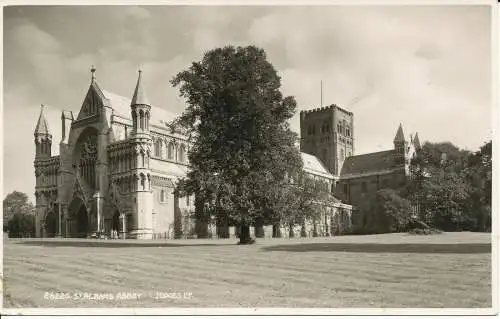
(328, 133)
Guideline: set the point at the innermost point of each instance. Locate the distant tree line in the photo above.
(450, 190)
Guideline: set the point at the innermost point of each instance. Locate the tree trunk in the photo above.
(245, 238)
(291, 234)
(315, 230)
(201, 223)
(303, 232)
(276, 231)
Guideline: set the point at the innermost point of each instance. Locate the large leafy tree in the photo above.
(305, 198)
(21, 225)
(443, 195)
(453, 190)
(387, 212)
(237, 118)
(478, 175)
(16, 203)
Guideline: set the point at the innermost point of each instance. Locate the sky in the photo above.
(427, 67)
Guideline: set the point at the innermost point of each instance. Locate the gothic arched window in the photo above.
(157, 148)
(141, 119)
(170, 150)
(182, 153)
(134, 120)
(143, 182)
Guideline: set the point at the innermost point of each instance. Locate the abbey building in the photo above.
(118, 164)
(328, 133)
(108, 174)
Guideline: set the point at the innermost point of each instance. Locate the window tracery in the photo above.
(88, 158)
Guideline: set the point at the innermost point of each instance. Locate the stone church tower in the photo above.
(328, 133)
(45, 170)
(141, 142)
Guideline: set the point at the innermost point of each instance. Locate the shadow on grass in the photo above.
(106, 244)
(479, 248)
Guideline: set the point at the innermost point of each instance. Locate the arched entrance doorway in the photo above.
(78, 222)
(51, 223)
(82, 222)
(115, 222)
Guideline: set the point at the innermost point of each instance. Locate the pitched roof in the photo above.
(121, 107)
(400, 137)
(42, 126)
(168, 168)
(139, 92)
(368, 163)
(313, 165)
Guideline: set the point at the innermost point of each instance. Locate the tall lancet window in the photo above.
(141, 119)
(182, 153)
(158, 148)
(134, 119)
(143, 182)
(170, 150)
(88, 158)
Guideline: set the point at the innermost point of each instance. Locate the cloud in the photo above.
(136, 12)
(27, 38)
(388, 64)
(428, 51)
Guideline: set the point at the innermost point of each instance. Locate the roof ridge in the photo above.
(386, 151)
(369, 162)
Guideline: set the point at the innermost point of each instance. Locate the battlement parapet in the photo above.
(323, 109)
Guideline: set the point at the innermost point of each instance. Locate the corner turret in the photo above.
(141, 109)
(43, 138)
(399, 146)
(141, 140)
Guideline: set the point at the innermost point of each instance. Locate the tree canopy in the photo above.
(16, 202)
(242, 146)
(16, 205)
(453, 190)
(386, 213)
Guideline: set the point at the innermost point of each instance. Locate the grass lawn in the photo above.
(395, 270)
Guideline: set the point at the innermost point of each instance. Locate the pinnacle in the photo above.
(92, 70)
(139, 93)
(400, 137)
(42, 127)
(416, 141)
